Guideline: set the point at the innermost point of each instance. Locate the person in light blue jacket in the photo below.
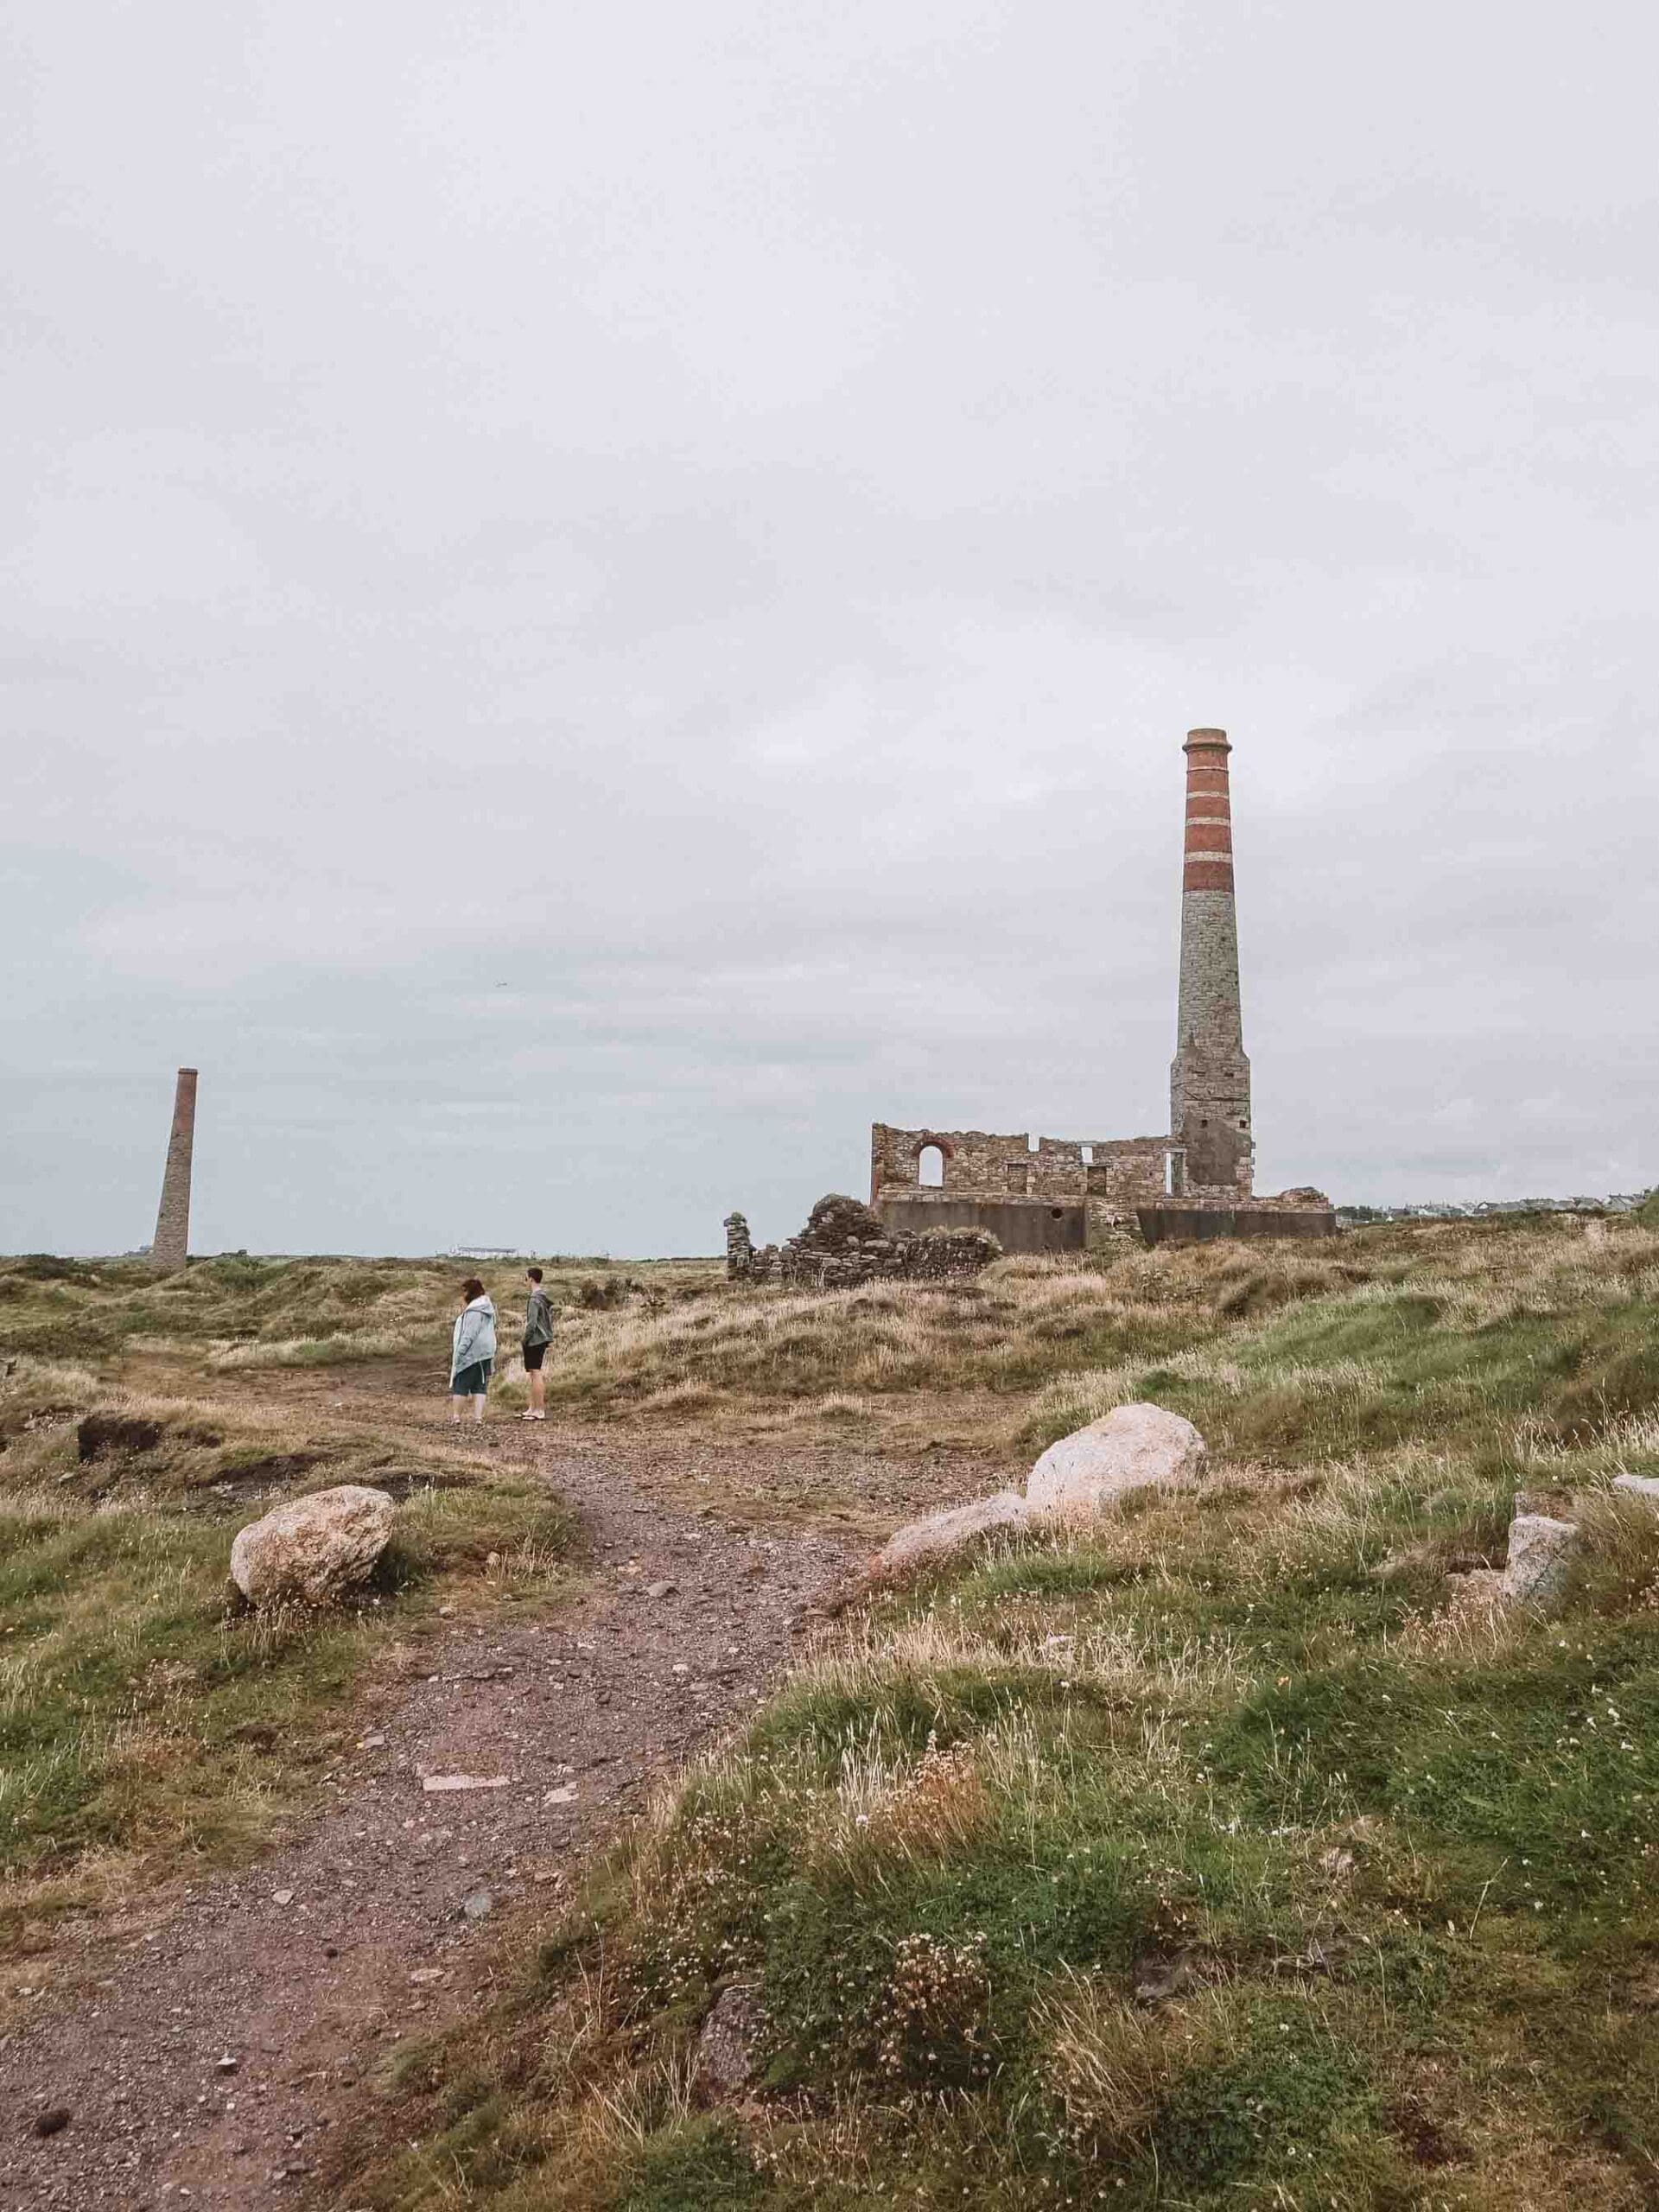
(472, 1350)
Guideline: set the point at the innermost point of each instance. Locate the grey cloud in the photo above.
(720, 523)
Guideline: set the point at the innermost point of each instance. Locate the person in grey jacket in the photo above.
(472, 1350)
(538, 1334)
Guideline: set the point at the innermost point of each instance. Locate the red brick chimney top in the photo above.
(1209, 856)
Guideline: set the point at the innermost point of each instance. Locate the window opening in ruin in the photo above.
(1017, 1178)
(930, 1167)
(1055, 1212)
(1086, 1153)
(1033, 1144)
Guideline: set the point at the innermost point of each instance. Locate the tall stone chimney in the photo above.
(1211, 1145)
(172, 1240)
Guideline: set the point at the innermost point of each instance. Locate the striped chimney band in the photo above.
(1209, 865)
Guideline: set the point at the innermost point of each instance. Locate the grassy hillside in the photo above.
(238, 1312)
(1211, 1860)
(1389, 1334)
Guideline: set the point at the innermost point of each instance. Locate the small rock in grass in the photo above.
(436, 1784)
(1157, 1979)
(282, 1896)
(938, 1533)
(1532, 1500)
(52, 2120)
(659, 1589)
(1480, 1592)
(1132, 1448)
(1645, 1487)
(726, 2060)
(1539, 1559)
(479, 1906)
(227, 2064)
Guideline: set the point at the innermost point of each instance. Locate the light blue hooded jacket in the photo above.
(474, 1336)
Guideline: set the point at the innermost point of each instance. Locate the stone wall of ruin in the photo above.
(1116, 1175)
(844, 1245)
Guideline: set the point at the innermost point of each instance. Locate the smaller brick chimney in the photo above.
(172, 1240)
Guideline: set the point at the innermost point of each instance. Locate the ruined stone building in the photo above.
(1035, 1194)
(1052, 1194)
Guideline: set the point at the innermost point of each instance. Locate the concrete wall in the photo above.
(1018, 1225)
(1200, 1224)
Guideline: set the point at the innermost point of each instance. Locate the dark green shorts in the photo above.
(471, 1382)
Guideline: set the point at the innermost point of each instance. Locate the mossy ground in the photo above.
(1207, 1859)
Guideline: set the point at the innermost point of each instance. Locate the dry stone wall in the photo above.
(844, 1245)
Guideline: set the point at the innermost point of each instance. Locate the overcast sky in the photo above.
(595, 598)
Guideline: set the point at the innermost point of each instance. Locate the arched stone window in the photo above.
(930, 1167)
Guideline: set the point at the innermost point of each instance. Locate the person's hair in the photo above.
(535, 1273)
(472, 1288)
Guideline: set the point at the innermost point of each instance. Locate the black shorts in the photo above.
(534, 1355)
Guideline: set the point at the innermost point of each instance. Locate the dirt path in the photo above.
(208, 2059)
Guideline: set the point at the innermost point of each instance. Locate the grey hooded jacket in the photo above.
(539, 1318)
(474, 1336)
